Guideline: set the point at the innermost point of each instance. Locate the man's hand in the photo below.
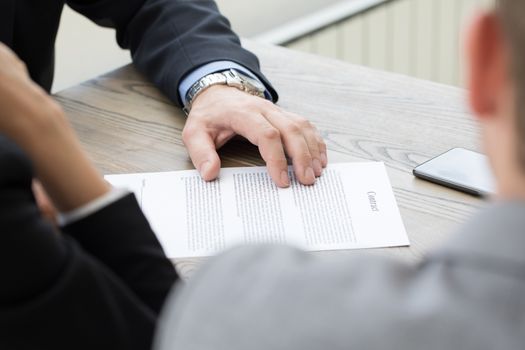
(221, 112)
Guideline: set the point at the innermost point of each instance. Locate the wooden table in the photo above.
(126, 125)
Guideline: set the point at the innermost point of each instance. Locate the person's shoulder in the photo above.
(244, 264)
(241, 268)
(490, 240)
(227, 286)
(250, 269)
(279, 297)
(247, 298)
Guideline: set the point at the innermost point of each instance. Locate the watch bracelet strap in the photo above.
(200, 86)
(219, 78)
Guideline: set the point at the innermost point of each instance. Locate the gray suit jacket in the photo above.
(470, 294)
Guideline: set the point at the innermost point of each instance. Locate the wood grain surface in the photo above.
(126, 125)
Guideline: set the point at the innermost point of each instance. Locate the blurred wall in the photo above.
(421, 38)
(251, 18)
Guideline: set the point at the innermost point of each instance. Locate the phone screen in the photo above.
(460, 169)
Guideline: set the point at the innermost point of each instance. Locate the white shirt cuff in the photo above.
(92, 207)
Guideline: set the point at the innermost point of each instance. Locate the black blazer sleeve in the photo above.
(99, 285)
(119, 236)
(170, 38)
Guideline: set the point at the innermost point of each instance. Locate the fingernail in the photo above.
(324, 159)
(309, 175)
(205, 167)
(285, 180)
(318, 169)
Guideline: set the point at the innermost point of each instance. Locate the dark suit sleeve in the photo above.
(57, 291)
(120, 237)
(170, 38)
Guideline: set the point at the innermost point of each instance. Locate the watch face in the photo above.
(249, 80)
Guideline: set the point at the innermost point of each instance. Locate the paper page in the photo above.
(350, 206)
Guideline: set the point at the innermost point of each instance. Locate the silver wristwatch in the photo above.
(231, 77)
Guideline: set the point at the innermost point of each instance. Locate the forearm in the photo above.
(116, 240)
(118, 234)
(38, 125)
(62, 166)
(188, 35)
(169, 39)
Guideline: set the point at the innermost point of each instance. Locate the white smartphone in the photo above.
(460, 169)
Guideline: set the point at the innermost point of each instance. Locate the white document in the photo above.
(350, 206)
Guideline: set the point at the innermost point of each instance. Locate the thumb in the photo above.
(203, 154)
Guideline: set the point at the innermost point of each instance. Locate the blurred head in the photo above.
(496, 82)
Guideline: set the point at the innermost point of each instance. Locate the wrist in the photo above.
(66, 172)
(70, 179)
(64, 169)
(231, 78)
(215, 90)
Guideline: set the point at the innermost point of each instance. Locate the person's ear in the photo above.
(487, 64)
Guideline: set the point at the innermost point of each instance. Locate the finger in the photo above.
(261, 133)
(317, 148)
(223, 137)
(203, 154)
(311, 137)
(323, 150)
(295, 145)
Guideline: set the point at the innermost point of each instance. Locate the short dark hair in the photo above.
(511, 13)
